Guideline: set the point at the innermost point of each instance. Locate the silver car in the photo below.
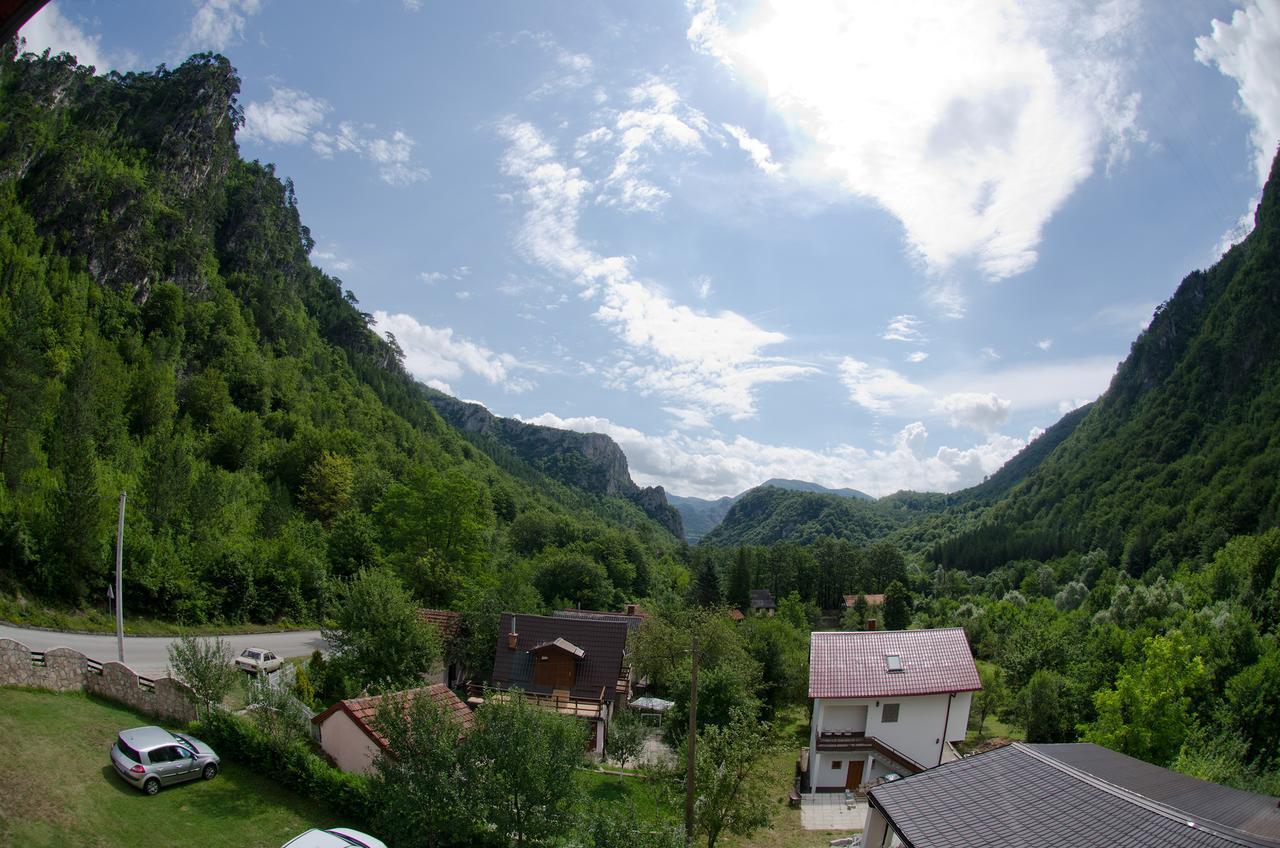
(151, 757)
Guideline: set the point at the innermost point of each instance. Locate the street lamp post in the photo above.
(119, 581)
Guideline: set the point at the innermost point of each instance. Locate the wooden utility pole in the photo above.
(120, 581)
(691, 742)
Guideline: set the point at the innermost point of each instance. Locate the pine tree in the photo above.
(739, 593)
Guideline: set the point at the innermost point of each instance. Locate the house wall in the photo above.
(918, 732)
(348, 745)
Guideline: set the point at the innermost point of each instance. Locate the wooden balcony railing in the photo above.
(857, 740)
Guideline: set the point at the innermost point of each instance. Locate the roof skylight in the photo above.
(892, 662)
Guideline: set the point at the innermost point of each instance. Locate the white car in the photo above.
(254, 660)
(334, 837)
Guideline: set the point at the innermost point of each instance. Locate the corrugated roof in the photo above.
(1018, 795)
(447, 622)
(762, 599)
(633, 620)
(563, 644)
(362, 711)
(596, 674)
(852, 664)
(872, 600)
(1247, 811)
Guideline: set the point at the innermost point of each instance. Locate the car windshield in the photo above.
(253, 655)
(184, 740)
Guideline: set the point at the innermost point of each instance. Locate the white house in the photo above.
(886, 701)
(347, 733)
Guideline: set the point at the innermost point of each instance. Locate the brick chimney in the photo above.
(871, 624)
(513, 636)
(631, 609)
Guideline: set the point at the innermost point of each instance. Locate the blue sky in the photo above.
(876, 245)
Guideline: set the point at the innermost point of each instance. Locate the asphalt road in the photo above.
(149, 655)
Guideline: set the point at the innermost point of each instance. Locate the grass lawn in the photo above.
(30, 613)
(57, 787)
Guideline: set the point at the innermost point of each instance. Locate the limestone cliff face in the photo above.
(592, 462)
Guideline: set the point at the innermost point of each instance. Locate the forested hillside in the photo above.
(770, 514)
(163, 332)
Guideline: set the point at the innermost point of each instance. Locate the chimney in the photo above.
(871, 624)
(512, 636)
(631, 609)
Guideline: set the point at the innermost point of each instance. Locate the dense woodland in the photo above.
(163, 332)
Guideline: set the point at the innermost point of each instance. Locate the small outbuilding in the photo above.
(346, 730)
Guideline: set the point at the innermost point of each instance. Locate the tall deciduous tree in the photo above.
(897, 606)
(206, 666)
(377, 636)
(731, 779)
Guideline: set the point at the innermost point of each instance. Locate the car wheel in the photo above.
(209, 771)
(152, 786)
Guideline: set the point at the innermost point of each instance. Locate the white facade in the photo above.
(918, 732)
(350, 747)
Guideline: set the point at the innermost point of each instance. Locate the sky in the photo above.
(878, 245)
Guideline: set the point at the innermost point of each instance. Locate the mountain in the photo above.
(1182, 451)
(164, 333)
(769, 514)
(592, 462)
(701, 515)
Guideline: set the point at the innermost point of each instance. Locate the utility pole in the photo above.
(119, 581)
(691, 742)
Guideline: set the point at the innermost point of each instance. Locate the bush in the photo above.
(293, 764)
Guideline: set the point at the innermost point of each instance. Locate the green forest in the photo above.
(164, 333)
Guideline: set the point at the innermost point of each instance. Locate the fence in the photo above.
(67, 670)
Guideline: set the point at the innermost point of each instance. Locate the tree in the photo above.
(1147, 714)
(206, 666)
(731, 779)
(1045, 708)
(280, 716)
(855, 617)
(782, 653)
(706, 583)
(990, 698)
(573, 577)
(326, 488)
(417, 787)
(1253, 697)
(626, 737)
(519, 762)
(377, 636)
(897, 606)
(739, 591)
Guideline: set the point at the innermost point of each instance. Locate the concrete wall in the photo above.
(66, 670)
(348, 745)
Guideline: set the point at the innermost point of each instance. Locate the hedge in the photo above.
(293, 764)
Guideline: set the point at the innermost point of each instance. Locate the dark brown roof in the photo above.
(447, 622)
(1021, 795)
(872, 600)
(363, 710)
(762, 599)
(844, 664)
(596, 674)
(633, 620)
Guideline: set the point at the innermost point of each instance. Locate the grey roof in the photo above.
(762, 599)
(597, 671)
(563, 644)
(1027, 795)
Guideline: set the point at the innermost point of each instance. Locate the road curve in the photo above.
(149, 655)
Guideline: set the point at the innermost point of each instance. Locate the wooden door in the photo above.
(854, 776)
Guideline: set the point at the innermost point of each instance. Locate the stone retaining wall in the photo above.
(66, 670)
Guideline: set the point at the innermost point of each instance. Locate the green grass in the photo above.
(57, 787)
(22, 612)
(637, 791)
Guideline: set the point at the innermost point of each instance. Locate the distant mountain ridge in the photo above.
(591, 462)
(702, 515)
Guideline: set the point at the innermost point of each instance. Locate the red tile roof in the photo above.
(447, 622)
(852, 665)
(872, 600)
(362, 711)
(736, 614)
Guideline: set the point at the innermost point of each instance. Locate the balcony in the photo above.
(857, 740)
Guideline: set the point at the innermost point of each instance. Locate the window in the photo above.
(892, 662)
(835, 764)
(128, 751)
(889, 713)
(160, 755)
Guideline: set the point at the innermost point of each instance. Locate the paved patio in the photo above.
(828, 811)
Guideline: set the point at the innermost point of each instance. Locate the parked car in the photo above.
(335, 837)
(151, 757)
(254, 660)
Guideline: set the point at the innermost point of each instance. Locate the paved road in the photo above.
(148, 655)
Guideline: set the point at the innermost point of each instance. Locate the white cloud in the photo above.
(710, 361)
(462, 295)
(431, 277)
(1041, 385)
(1045, 344)
(877, 389)
(412, 5)
(702, 285)
(985, 412)
(713, 466)
(1126, 317)
(990, 353)
(904, 328)
(435, 355)
(219, 23)
(289, 117)
(392, 154)
(755, 148)
(1248, 50)
(917, 356)
(971, 122)
(330, 261)
(50, 30)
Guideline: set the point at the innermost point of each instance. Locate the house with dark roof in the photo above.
(346, 730)
(1076, 794)
(762, 602)
(448, 624)
(634, 615)
(573, 665)
(885, 702)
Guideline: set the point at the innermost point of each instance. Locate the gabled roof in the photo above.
(596, 673)
(447, 622)
(362, 711)
(762, 599)
(1033, 795)
(563, 644)
(872, 600)
(633, 620)
(853, 665)
(736, 614)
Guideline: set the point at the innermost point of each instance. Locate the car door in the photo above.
(270, 663)
(162, 764)
(184, 762)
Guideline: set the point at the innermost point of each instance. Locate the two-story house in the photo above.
(886, 701)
